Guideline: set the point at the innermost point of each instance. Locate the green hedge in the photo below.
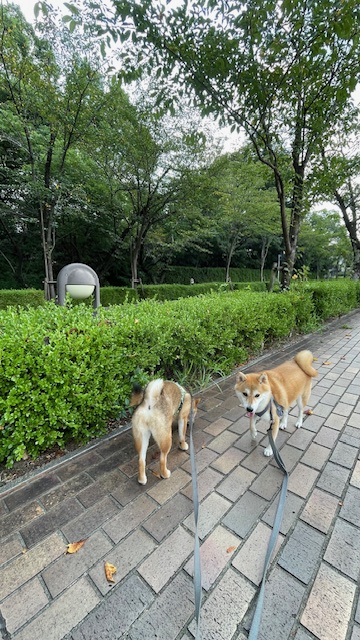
(65, 371)
(182, 275)
(22, 297)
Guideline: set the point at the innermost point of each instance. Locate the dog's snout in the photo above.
(249, 408)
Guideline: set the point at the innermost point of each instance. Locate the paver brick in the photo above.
(162, 563)
(283, 599)
(164, 619)
(31, 491)
(206, 481)
(355, 478)
(290, 457)
(228, 460)
(65, 491)
(245, 512)
(203, 459)
(130, 517)
(211, 511)
(131, 489)
(50, 521)
(316, 456)
(344, 455)
(215, 553)
(343, 409)
(251, 557)
(326, 437)
(79, 463)
(63, 614)
(333, 479)
(125, 557)
(167, 517)
(66, 569)
(165, 489)
(23, 604)
(115, 614)
(329, 605)
(236, 483)
(343, 550)
(293, 504)
(320, 510)
(15, 520)
(99, 489)
(314, 423)
(351, 436)
(10, 548)
(223, 441)
(268, 482)
(217, 427)
(226, 606)
(334, 421)
(302, 552)
(90, 520)
(300, 439)
(26, 566)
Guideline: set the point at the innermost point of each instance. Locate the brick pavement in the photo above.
(147, 532)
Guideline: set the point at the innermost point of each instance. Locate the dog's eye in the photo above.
(245, 394)
(257, 395)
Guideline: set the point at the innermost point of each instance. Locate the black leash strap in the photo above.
(197, 564)
(255, 625)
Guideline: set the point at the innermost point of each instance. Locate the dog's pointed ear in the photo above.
(240, 377)
(263, 378)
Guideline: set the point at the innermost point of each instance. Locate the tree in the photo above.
(324, 246)
(284, 72)
(46, 110)
(337, 179)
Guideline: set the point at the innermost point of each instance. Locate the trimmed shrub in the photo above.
(21, 298)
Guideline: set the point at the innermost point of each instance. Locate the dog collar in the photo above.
(278, 407)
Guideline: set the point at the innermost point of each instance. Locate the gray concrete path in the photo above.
(147, 532)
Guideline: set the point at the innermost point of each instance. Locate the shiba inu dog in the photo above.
(157, 406)
(270, 394)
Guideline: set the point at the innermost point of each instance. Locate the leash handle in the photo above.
(197, 563)
(255, 624)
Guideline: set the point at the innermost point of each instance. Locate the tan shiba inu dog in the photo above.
(157, 406)
(270, 394)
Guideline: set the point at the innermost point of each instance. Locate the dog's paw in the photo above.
(166, 474)
(254, 436)
(183, 446)
(282, 425)
(298, 424)
(142, 480)
(268, 451)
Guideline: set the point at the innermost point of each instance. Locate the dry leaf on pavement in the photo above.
(73, 547)
(109, 571)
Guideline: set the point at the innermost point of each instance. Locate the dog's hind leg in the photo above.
(164, 443)
(182, 424)
(141, 440)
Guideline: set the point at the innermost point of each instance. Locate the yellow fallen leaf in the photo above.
(73, 547)
(327, 362)
(308, 412)
(109, 571)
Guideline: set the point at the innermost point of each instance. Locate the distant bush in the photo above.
(182, 275)
(21, 297)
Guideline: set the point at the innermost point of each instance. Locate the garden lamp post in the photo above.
(80, 281)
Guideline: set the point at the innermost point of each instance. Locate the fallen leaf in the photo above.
(155, 455)
(230, 549)
(327, 362)
(73, 547)
(315, 359)
(308, 412)
(109, 571)
(156, 474)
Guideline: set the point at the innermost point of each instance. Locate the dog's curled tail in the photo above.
(305, 359)
(153, 391)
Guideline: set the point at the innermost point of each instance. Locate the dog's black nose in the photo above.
(249, 409)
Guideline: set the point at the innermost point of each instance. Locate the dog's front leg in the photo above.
(274, 430)
(253, 430)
